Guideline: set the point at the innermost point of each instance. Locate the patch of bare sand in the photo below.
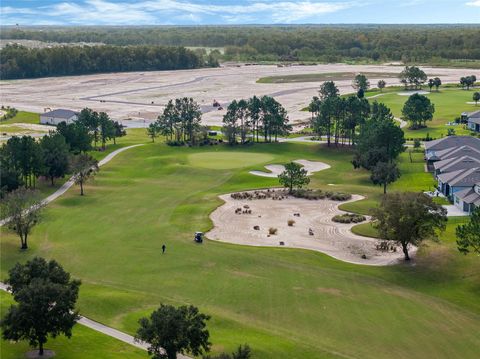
(275, 170)
(331, 238)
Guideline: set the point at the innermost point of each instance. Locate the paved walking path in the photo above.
(71, 181)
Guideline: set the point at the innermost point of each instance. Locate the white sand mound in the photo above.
(275, 170)
(334, 239)
(410, 93)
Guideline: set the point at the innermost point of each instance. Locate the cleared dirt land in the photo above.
(142, 95)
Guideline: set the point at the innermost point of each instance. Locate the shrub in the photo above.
(291, 222)
(348, 218)
(272, 231)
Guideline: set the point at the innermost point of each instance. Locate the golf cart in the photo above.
(198, 237)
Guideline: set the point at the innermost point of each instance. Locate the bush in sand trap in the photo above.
(348, 218)
(290, 222)
(272, 231)
(319, 194)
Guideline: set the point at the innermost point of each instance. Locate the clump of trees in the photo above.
(99, 126)
(380, 142)
(259, 117)
(418, 109)
(180, 122)
(408, 219)
(10, 112)
(412, 77)
(381, 85)
(46, 297)
(435, 82)
(468, 81)
(335, 117)
(294, 177)
(18, 62)
(360, 82)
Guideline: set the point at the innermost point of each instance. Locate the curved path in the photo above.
(71, 181)
(111, 332)
(331, 238)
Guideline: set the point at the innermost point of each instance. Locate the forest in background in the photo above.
(323, 43)
(166, 47)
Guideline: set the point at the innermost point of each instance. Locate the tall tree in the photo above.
(437, 83)
(294, 177)
(83, 167)
(418, 109)
(55, 156)
(153, 130)
(431, 83)
(328, 89)
(385, 173)
(106, 128)
(381, 85)
(171, 330)
(91, 120)
(468, 235)
(254, 110)
(118, 131)
(476, 97)
(46, 297)
(22, 211)
(408, 219)
(412, 76)
(360, 82)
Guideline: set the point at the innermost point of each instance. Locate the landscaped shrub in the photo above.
(279, 194)
(291, 222)
(319, 194)
(348, 218)
(272, 231)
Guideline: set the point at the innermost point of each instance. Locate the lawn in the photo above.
(285, 303)
(449, 104)
(84, 344)
(318, 77)
(23, 117)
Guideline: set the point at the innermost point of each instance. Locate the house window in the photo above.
(457, 201)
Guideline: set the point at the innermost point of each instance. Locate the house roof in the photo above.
(461, 178)
(474, 114)
(452, 141)
(456, 163)
(475, 120)
(469, 196)
(454, 152)
(60, 113)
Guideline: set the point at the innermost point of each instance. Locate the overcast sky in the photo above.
(202, 12)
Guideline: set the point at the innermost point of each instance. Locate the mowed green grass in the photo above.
(285, 303)
(85, 343)
(23, 117)
(317, 77)
(449, 104)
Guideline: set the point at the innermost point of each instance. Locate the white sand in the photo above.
(275, 170)
(334, 239)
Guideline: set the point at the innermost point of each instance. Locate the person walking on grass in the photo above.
(164, 248)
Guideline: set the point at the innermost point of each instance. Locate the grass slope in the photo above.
(85, 343)
(285, 303)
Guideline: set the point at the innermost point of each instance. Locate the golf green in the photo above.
(227, 160)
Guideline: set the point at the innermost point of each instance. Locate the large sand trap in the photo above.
(275, 170)
(334, 239)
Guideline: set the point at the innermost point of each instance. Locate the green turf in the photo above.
(318, 77)
(227, 160)
(449, 104)
(85, 343)
(23, 117)
(285, 303)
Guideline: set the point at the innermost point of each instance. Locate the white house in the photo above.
(56, 116)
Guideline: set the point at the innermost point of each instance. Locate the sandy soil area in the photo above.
(334, 239)
(142, 95)
(275, 170)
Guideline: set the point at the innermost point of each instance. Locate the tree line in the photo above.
(23, 159)
(409, 43)
(18, 62)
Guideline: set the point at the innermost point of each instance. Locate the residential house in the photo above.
(57, 116)
(472, 119)
(435, 148)
(468, 199)
(453, 164)
(451, 182)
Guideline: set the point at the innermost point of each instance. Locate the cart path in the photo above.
(111, 332)
(64, 188)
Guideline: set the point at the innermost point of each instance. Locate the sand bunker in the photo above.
(334, 239)
(275, 170)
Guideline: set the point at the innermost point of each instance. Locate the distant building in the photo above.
(472, 119)
(436, 149)
(56, 116)
(455, 163)
(468, 199)
(449, 183)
